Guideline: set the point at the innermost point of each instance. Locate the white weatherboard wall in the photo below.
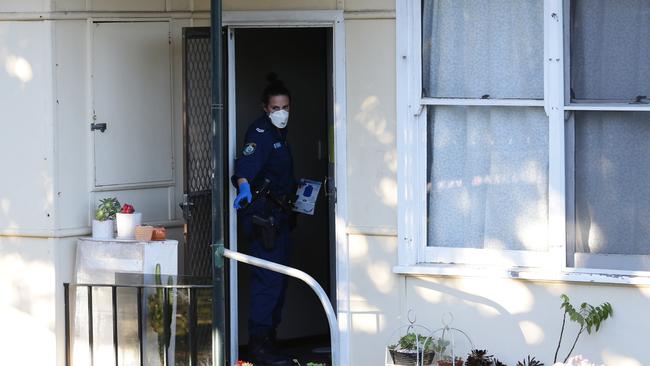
(26, 195)
(46, 188)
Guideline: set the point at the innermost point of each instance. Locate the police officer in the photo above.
(266, 156)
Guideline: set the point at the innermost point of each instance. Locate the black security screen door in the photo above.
(198, 152)
(197, 168)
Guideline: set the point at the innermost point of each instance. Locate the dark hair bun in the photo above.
(275, 87)
(272, 78)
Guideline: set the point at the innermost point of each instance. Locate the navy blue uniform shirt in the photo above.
(266, 155)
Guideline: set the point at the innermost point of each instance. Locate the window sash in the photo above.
(493, 257)
(482, 102)
(568, 26)
(412, 136)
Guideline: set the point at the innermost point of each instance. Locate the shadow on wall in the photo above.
(27, 302)
(513, 318)
(375, 159)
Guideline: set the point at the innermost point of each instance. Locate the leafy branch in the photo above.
(587, 316)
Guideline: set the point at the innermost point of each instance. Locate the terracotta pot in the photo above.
(448, 363)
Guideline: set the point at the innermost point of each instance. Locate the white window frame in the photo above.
(580, 261)
(414, 257)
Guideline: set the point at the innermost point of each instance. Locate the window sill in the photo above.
(527, 274)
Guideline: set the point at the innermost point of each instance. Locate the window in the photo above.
(523, 129)
(608, 131)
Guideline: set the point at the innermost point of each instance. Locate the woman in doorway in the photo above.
(266, 166)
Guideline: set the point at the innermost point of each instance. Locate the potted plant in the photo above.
(446, 361)
(530, 361)
(103, 223)
(478, 357)
(440, 347)
(587, 316)
(127, 220)
(412, 349)
(577, 360)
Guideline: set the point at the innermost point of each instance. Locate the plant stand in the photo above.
(100, 262)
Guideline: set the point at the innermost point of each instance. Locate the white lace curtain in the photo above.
(487, 166)
(612, 182)
(610, 50)
(473, 48)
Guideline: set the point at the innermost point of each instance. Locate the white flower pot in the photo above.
(103, 229)
(126, 224)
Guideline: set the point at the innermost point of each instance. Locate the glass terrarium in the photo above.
(410, 345)
(451, 345)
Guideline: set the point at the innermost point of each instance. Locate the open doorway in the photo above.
(302, 58)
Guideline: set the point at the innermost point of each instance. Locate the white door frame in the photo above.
(298, 19)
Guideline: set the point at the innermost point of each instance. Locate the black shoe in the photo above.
(262, 353)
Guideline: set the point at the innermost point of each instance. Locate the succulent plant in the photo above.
(530, 362)
(479, 357)
(414, 341)
(107, 209)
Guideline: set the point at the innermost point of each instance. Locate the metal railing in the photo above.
(192, 294)
(310, 281)
(140, 291)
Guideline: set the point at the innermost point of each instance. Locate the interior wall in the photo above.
(299, 58)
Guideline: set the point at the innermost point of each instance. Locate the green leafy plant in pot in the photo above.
(589, 318)
(103, 223)
(412, 349)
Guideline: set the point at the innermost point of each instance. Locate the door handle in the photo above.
(186, 206)
(98, 126)
(329, 191)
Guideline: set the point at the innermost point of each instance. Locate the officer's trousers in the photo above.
(267, 288)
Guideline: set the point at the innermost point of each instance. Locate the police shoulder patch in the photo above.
(249, 148)
(259, 130)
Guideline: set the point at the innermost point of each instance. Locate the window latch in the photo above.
(419, 111)
(640, 99)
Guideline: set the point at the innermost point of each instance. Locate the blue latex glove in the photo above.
(244, 194)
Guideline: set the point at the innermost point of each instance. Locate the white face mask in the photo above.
(279, 118)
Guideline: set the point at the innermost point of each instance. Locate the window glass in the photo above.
(473, 48)
(612, 189)
(488, 177)
(610, 49)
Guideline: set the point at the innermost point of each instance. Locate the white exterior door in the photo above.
(131, 82)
